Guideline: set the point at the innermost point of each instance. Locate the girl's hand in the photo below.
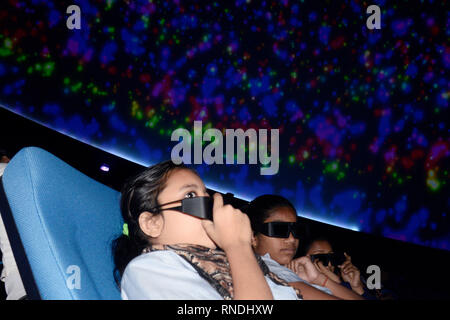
(231, 231)
(351, 274)
(230, 227)
(305, 269)
(319, 265)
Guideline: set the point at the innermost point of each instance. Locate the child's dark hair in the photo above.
(312, 239)
(139, 194)
(262, 207)
(5, 153)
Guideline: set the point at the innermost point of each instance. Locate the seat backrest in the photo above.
(65, 223)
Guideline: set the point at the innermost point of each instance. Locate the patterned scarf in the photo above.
(212, 265)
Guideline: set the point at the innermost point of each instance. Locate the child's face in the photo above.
(282, 250)
(179, 227)
(321, 247)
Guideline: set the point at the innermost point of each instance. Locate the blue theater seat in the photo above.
(60, 224)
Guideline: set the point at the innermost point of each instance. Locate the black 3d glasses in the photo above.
(200, 207)
(336, 259)
(278, 229)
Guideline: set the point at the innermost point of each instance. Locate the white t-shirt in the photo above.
(164, 275)
(10, 274)
(287, 274)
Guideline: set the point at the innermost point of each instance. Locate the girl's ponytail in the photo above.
(124, 250)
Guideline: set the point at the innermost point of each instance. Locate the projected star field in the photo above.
(362, 114)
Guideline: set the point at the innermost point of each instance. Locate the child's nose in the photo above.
(291, 237)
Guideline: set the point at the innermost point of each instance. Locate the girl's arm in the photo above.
(310, 293)
(248, 280)
(339, 290)
(231, 231)
(336, 288)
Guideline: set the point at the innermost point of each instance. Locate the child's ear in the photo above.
(151, 224)
(254, 241)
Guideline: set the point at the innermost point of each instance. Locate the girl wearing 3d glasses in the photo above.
(276, 240)
(337, 267)
(171, 250)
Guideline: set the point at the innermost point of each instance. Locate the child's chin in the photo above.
(285, 259)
